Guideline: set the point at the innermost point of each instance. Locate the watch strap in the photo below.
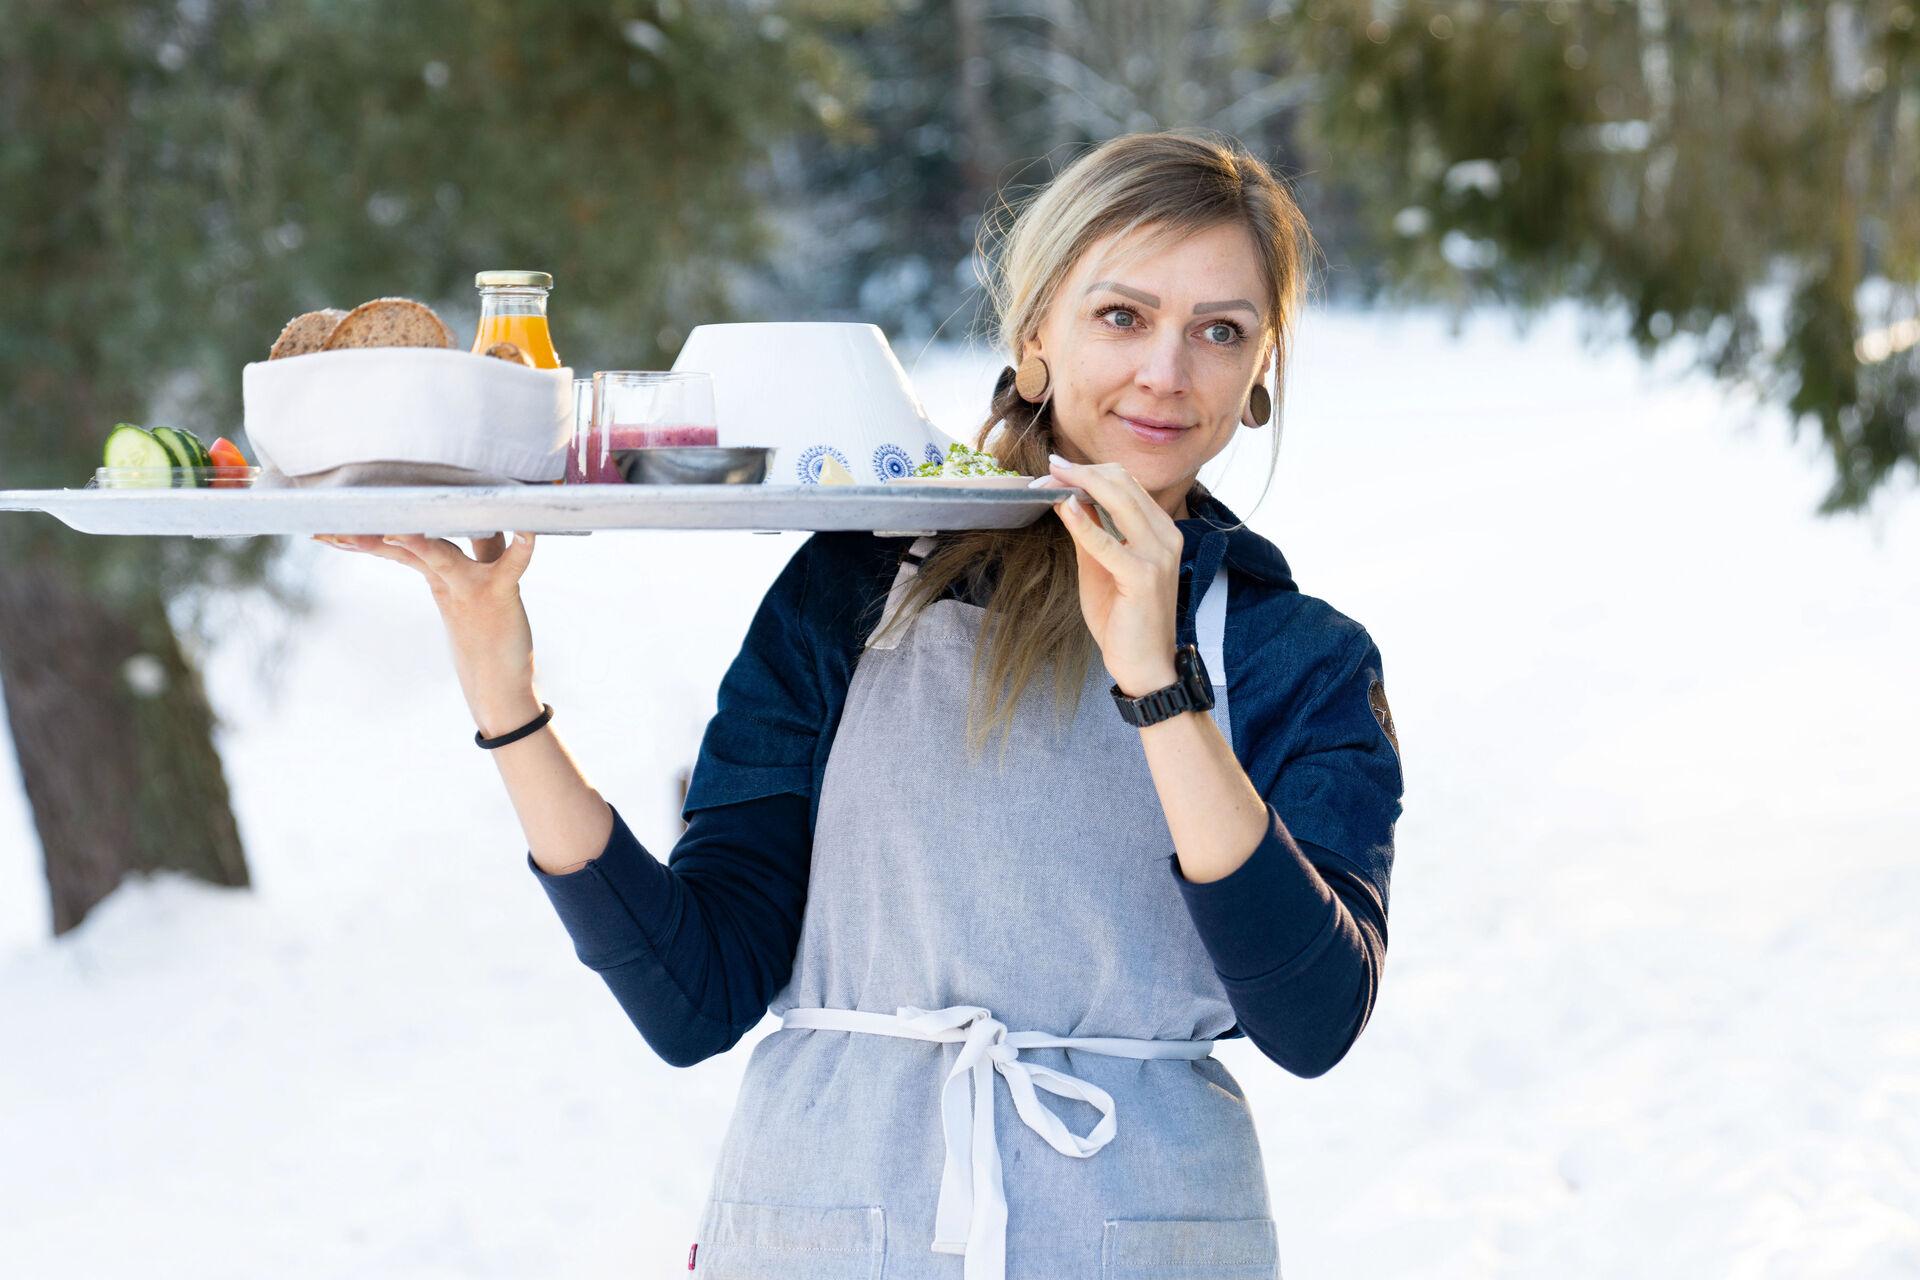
(1191, 690)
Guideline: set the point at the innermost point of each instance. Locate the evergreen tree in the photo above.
(177, 180)
(1744, 176)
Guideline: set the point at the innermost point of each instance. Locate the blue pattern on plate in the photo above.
(933, 453)
(814, 457)
(891, 462)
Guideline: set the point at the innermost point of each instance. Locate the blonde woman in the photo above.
(999, 975)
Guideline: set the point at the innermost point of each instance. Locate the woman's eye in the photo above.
(1119, 317)
(1222, 333)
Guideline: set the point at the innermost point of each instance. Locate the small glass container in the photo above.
(513, 308)
(582, 432)
(643, 410)
(224, 477)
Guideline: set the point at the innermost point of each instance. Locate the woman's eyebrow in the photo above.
(1145, 299)
(1228, 305)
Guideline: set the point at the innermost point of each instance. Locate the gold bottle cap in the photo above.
(513, 280)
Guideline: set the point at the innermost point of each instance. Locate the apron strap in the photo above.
(970, 1217)
(1210, 629)
(909, 565)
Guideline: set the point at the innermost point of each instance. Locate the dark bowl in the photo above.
(694, 464)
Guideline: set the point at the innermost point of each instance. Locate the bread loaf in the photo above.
(389, 322)
(305, 333)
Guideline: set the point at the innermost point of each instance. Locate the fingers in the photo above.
(349, 541)
(437, 558)
(438, 554)
(371, 545)
(1132, 509)
(1095, 541)
(513, 560)
(1085, 499)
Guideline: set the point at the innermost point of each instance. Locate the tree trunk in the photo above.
(982, 153)
(115, 742)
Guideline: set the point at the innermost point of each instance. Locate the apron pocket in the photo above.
(1190, 1249)
(741, 1241)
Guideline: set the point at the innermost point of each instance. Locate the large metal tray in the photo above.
(478, 510)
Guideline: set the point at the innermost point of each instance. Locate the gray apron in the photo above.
(966, 924)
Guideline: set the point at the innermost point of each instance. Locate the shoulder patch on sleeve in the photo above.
(1377, 699)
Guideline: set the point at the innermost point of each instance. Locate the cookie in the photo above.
(509, 351)
(305, 333)
(389, 322)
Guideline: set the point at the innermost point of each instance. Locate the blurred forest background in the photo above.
(176, 180)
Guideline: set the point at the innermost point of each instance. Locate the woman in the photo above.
(1192, 841)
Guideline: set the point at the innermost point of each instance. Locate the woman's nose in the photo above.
(1164, 369)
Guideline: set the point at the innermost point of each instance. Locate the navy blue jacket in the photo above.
(695, 949)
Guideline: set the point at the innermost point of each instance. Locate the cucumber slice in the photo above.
(131, 446)
(181, 454)
(200, 456)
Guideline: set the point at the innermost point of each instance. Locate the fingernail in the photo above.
(389, 539)
(1058, 461)
(1037, 481)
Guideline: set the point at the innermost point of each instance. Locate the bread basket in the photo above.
(406, 415)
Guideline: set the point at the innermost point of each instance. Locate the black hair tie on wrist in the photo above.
(534, 725)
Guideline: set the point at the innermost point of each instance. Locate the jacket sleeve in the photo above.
(695, 949)
(1298, 933)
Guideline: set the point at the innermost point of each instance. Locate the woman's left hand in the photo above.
(1128, 591)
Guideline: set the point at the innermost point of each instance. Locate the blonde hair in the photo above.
(1166, 185)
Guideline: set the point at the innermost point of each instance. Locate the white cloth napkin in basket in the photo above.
(406, 415)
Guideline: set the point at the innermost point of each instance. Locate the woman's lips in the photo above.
(1153, 431)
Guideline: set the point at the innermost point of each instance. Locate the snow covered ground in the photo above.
(1651, 917)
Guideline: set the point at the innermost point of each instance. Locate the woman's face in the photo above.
(1151, 358)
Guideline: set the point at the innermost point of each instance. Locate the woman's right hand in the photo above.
(479, 601)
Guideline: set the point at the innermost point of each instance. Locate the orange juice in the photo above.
(527, 332)
(513, 308)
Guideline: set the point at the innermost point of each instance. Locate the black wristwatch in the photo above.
(1191, 691)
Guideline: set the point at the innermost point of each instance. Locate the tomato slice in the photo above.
(224, 454)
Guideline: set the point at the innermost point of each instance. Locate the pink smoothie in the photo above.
(596, 468)
(662, 436)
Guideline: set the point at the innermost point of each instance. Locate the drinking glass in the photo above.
(582, 431)
(645, 410)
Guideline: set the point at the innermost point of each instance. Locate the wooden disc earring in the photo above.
(1259, 405)
(1003, 383)
(1032, 379)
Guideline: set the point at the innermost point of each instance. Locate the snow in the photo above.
(1641, 1013)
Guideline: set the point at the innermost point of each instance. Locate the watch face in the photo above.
(1193, 676)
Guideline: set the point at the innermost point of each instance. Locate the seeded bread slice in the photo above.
(304, 333)
(389, 322)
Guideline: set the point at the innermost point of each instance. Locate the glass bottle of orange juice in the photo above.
(513, 308)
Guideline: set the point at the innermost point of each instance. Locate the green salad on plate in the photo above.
(962, 461)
